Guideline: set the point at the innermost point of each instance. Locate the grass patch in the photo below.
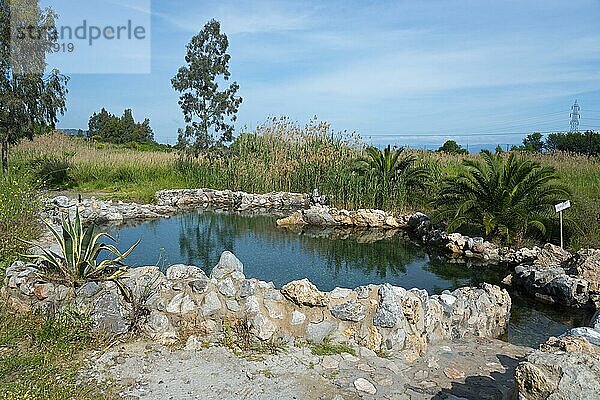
(327, 348)
(39, 357)
(18, 218)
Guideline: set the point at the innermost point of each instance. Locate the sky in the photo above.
(402, 72)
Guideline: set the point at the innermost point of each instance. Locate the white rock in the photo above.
(448, 299)
(226, 287)
(363, 385)
(211, 305)
(339, 293)
(181, 304)
(262, 327)
(297, 318)
(252, 305)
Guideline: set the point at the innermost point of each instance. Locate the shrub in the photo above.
(53, 172)
(505, 197)
(18, 218)
(80, 249)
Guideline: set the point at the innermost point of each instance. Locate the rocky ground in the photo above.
(477, 369)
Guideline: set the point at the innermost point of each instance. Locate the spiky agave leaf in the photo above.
(81, 249)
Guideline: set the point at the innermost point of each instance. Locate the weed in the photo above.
(327, 348)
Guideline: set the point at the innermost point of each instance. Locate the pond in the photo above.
(328, 259)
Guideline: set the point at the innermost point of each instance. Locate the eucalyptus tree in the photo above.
(391, 169)
(208, 110)
(31, 98)
(503, 196)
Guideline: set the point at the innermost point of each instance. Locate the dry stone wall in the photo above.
(380, 317)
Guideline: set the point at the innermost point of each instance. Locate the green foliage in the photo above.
(533, 143)
(504, 196)
(451, 147)
(31, 99)
(80, 249)
(208, 112)
(39, 359)
(327, 348)
(282, 155)
(388, 168)
(576, 142)
(18, 217)
(107, 127)
(53, 172)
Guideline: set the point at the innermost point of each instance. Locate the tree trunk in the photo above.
(5, 157)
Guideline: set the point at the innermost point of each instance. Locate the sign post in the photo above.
(560, 207)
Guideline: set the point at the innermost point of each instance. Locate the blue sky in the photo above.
(394, 71)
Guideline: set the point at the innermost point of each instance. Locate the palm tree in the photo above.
(390, 170)
(504, 197)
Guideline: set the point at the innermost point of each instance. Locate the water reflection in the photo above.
(329, 258)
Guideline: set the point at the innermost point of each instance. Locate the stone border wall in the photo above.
(380, 317)
(235, 201)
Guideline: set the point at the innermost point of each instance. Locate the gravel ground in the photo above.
(478, 369)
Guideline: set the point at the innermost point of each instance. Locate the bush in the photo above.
(53, 172)
(18, 218)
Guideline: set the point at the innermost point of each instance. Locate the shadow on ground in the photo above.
(496, 386)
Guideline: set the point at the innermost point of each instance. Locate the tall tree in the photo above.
(208, 111)
(30, 98)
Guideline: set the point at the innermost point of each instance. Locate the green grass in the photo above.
(327, 348)
(40, 357)
(18, 218)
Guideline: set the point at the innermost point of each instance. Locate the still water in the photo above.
(326, 259)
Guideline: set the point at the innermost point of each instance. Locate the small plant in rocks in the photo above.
(80, 249)
(327, 348)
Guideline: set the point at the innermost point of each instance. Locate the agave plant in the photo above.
(387, 167)
(80, 249)
(505, 197)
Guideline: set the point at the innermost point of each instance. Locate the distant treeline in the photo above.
(107, 127)
(587, 142)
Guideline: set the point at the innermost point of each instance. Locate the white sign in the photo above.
(562, 206)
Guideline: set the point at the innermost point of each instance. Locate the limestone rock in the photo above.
(251, 305)
(297, 318)
(248, 288)
(315, 333)
(595, 323)
(590, 334)
(350, 311)
(228, 265)
(304, 293)
(586, 265)
(389, 310)
(226, 287)
(293, 220)
(566, 368)
(262, 327)
(363, 385)
(159, 328)
(211, 305)
(180, 271)
(108, 313)
(181, 304)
